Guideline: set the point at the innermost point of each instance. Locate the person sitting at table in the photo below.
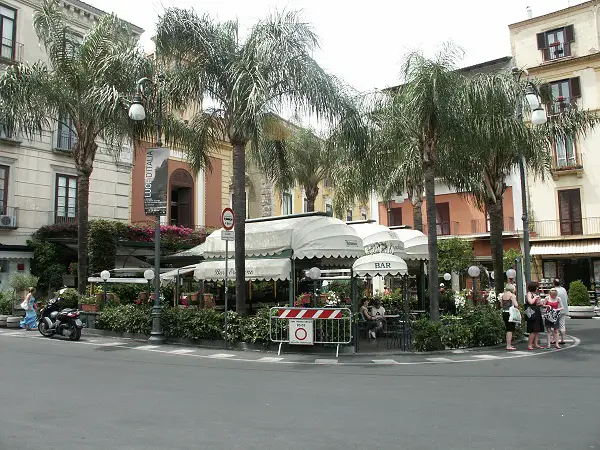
(378, 311)
(371, 320)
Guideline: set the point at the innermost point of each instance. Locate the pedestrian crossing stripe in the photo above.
(182, 351)
(269, 359)
(326, 361)
(385, 361)
(440, 360)
(486, 357)
(146, 347)
(221, 355)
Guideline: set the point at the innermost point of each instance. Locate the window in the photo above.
(556, 44)
(395, 217)
(363, 216)
(569, 209)
(349, 215)
(8, 32)
(329, 209)
(4, 170)
(66, 198)
(442, 220)
(565, 153)
(305, 205)
(67, 138)
(550, 269)
(564, 95)
(286, 204)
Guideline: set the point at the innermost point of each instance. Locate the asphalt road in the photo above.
(62, 395)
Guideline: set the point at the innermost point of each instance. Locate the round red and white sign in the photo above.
(227, 219)
(301, 334)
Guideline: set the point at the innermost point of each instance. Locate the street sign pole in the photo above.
(227, 222)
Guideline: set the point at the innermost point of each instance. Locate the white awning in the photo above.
(118, 280)
(198, 251)
(380, 264)
(415, 243)
(10, 254)
(566, 248)
(256, 269)
(379, 239)
(305, 237)
(172, 274)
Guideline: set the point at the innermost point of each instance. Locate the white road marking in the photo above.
(182, 351)
(146, 347)
(385, 361)
(486, 357)
(441, 360)
(326, 361)
(270, 359)
(457, 352)
(111, 344)
(221, 356)
(520, 353)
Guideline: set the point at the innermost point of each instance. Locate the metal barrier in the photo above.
(309, 326)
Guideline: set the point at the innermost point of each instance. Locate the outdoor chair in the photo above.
(399, 334)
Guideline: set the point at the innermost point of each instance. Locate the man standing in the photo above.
(564, 299)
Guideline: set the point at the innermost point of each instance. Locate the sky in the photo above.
(364, 44)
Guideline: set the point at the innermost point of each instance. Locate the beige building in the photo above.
(563, 48)
(38, 178)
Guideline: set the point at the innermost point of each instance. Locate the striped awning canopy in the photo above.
(566, 248)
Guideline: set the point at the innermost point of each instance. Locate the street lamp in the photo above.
(137, 112)
(314, 274)
(149, 276)
(538, 117)
(105, 275)
(511, 274)
(474, 272)
(447, 276)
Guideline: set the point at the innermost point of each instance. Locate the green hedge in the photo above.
(187, 323)
(7, 300)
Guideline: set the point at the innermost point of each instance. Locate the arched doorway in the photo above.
(181, 186)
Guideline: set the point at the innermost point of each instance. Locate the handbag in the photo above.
(551, 315)
(514, 315)
(24, 305)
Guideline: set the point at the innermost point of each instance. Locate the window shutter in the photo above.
(575, 87)
(541, 41)
(569, 33)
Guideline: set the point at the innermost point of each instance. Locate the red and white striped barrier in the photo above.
(305, 313)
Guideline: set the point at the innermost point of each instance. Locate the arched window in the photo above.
(181, 209)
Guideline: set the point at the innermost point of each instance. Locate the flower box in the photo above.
(89, 308)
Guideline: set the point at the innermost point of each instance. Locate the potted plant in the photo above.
(21, 282)
(90, 304)
(579, 301)
(69, 278)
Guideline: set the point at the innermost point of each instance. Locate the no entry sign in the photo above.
(301, 332)
(227, 219)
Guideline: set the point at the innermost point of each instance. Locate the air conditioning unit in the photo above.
(8, 221)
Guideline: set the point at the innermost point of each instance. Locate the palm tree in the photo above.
(492, 142)
(87, 84)
(300, 159)
(247, 81)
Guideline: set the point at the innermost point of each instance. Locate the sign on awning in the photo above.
(380, 264)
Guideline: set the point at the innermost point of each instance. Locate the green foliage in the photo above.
(187, 323)
(578, 294)
(129, 292)
(70, 296)
(21, 281)
(393, 302)
(340, 286)
(7, 301)
(46, 264)
(447, 301)
(486, 324)
(455, 333)
(102, 245)
(455, 255)
(509, 258)
(426, 335)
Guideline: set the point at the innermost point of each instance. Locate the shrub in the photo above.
(7, 301)
(426, 335)
(125, 319)
(455, 333)
(70, 296)
(20, 282)
(486, 325)
(578, 294)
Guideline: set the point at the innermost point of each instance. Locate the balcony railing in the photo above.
(561, 105)
(557, 50)
(557, 228)
(481, 226)
(8, 218)
(11, 51)
(60, 217)
(445, 228)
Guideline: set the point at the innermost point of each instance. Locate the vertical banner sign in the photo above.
(156, 180)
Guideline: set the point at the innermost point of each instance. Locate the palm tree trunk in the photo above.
(310, 204)
(418, 214)
(496, 229)
(267, 196)
(434, 298)
(239, 209)
(311, 195)
(83, 193)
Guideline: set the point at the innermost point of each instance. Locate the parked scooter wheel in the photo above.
(75, 334)
(43, 329)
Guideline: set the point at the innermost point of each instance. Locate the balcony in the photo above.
(561, 105)
(556, 50)
(8, 218)
(8, 134)
(481, 226)
(11, 52)
(557, 228)
(60, 217)
(445, 229)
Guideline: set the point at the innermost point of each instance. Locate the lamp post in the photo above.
(314, 274)
(511, 274)
(474, 272)
(149, 276)
(538, 117)
(137, 112)
(447, 277)
(105, 275)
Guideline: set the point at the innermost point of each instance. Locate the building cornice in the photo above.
(554, 14)
(564, 62)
